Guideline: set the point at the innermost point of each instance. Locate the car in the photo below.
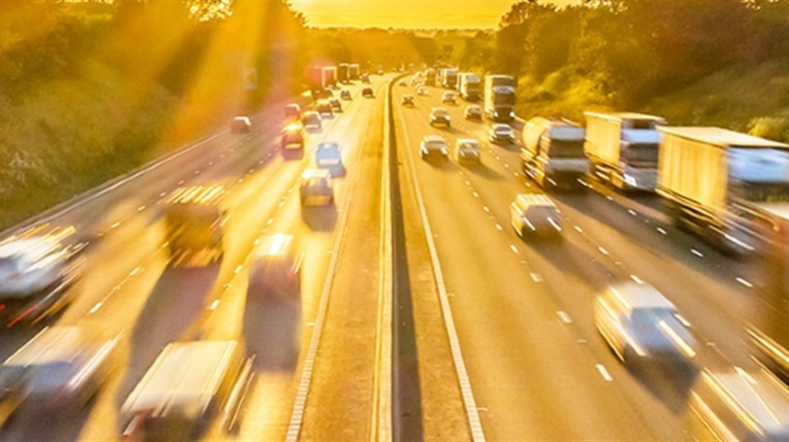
(467, 151)
(292, 112)
(335, 104)
(402, 83)
(189, 385)
(275, 269)
(421, 90)
(292, 141)
(345, 94)
(329, 157)
(324, 108)
(379, 72)
(501, 134)
(240, 125)
(440, 116)
(61, 368)
(448, 97)
(311, 120)
(365, 78)
(408, 100)
(643, 328)
(534, 215)
(737, 404)
(316, 187)
(433, 147)
(327, 92)
(473, 112)
(38, 271)
(367, 92)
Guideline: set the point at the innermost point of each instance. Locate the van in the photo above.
(195, 220)
(535, 215)
(188, 386)
(737, 404)
(275, 269)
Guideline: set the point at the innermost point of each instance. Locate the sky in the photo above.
(406, 14)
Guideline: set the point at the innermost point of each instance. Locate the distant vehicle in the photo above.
(408, 100)
(552, 153)
(729, 187)
(324, 107)
(311, 120)
(379, 72)
(316, 187)
(448, 98)
(367, 92)
(335, 104)
(353, 71)
(735, 404)
(640, 324)
(469, 86)
(189, 385)
(240, 125)
(195, 217)
(440, 116)
(535, 215)
(622, 148)
(448, 77)
(275, 269)
(365, 78)
(433, 147)
(292, 141)
(345, 94)
(343, 73)
(499, 98)
(467, 151)
(421, 90)
(329, 157)
(430, 77)
(61, 368)
(292, 112)
(501, 134)
(473, 112)
(402, 83)
(327, 93)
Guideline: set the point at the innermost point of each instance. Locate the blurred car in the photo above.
(188, 386)
(433, 147)
(316, 187)
(379, 72)
(345, 94)
(735, 404)
(642, 326)
(467, 151)
(275, 269)
(240, 125)
(335, 104)
(501, 134)
(439, 116)
(367, 92)
(365, 78)
(408, 100)
(535, 215)
(292, 112)
(60, 368)
(195, 218)
(421, 90)
(402, 83)
(473, 112)
(329, 157)
(448, 98)
(292, 141)
(324, 108)
(38, 270)
(311, 120)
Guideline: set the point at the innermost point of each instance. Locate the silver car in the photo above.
(501, 134)
(467, 151)
(535, 215)
(433, 147)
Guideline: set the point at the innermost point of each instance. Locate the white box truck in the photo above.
(622, 148)
(499, 97)
(727, 186)
(552, 153)
(469, 86)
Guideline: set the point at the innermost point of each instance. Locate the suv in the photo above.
(473, 112)
(467, 151)
(448, 97)
(367, 92)
(440, 116)
(316, 186)
(433, 146)
(240, 125)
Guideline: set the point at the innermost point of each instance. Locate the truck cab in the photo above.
(553, 153)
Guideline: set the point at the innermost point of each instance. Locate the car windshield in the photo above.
(434, 144)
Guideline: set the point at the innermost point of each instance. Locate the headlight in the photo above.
(444, 150)
(629, 180)
(512, 114)
(496, 114)
(448, 118)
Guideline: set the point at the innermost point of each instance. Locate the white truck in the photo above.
(622, 148)
(448, 77)
(552, 153)
(469, 86)
(499, 94)
(727, 186)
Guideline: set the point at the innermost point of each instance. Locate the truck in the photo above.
(622, 148)
(430, 77)
(343, 72)
(469, 86)
(552, 153)
(319, 78)
(330, 75)
(726, 186)
(195, 218)
(353, 71)
(499, 97)
(448, 77)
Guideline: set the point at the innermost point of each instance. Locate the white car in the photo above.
(433, 147)
(501, 134)
(421, 90)
(240, 125)
(534, 215)
(440, 116)
(467, 151)
(448, 97)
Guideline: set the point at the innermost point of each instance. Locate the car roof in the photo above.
(274, 245)
(433, 138)
(439, 109)
(473, 106)
(241, 118)
(293, 106)
(501, 126)
(328, 145)
(637, 296)
(53, 344)
(315, 173)
(467, 140)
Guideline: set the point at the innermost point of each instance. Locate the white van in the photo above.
(535, 215)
